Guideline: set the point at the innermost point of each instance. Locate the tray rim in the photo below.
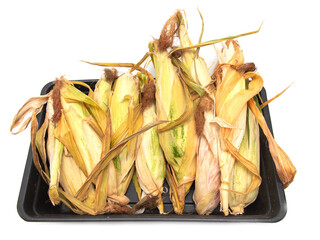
(278, 216)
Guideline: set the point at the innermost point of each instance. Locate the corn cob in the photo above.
(150, 162)
(174, 104)
(241, 177)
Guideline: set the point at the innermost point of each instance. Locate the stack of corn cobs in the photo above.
(182, 125)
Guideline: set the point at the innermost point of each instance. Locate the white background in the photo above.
(42, 40)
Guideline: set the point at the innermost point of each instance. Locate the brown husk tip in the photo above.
(56, 98)
(148, 95)
(110, 74)
(205, 104)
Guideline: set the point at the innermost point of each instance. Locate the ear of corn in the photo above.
(54, 151)
(236, 83)
(74, 123)
(173, 101)
(150, 162)
(106, 187)
(231, 105)
(125, 97)
(241, 177)
(78, 129)
(207, 181)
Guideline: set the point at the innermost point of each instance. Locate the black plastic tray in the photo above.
(270, 205)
